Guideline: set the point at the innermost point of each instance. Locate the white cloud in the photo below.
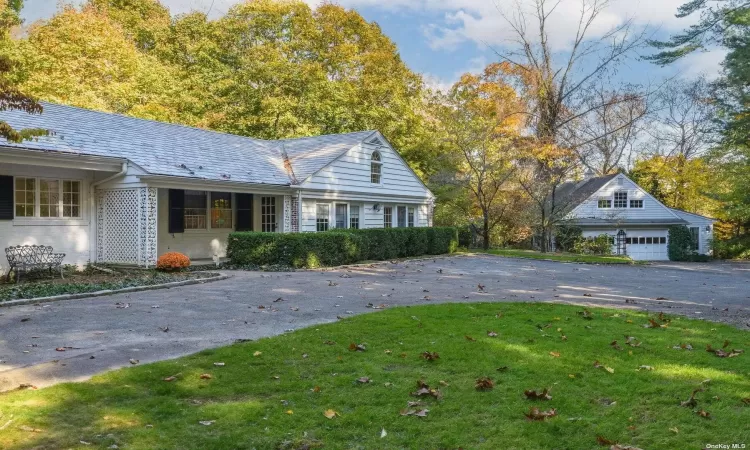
(702, 63)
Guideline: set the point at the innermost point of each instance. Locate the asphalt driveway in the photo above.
(72, 340)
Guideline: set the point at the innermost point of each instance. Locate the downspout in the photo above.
(92, 206)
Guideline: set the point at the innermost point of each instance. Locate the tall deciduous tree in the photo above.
(11, 97)
(479, 126)
(560, 89)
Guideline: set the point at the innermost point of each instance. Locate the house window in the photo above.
(636, 203)
(341, 215)
(195, 210)
(605, 203)
(694, 237)
(376, 167)
(71, 198)
(322, 216)
(410, 221)
(57, 198)
(387, 217)
(401, 216)
(268, 214)
(221, 210)
(354, 217)
(25, 196)
(621, 199)
(49, 198)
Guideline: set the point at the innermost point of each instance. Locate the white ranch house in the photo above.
(115, 189)
(638, 223)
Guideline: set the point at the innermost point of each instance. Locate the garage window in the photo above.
(621, 199)
(641, 240)
(662, 240)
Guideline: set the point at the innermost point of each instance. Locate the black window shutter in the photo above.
(244, 212)
(176, 211)
(6, 198)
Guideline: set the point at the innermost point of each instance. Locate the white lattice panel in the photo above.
(126, 226)
(118, 226)
(287, 214)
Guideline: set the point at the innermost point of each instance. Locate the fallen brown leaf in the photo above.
(430, 356)
(534, 395)
(329, 413)
(469, 338)
(205, 376)
(536, 414)
(601, 440)
(703, 413)
(484, 384)
(692, 402)
(554, 354)
(363, 380)
(357, 347)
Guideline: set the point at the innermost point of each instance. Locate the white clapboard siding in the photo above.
(351, 173)
(652, 209)
(705, 229)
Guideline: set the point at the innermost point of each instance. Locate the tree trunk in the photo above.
(486, 232)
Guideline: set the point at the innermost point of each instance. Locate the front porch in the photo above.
(136, 225)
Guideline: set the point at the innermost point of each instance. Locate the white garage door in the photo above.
(650, 245)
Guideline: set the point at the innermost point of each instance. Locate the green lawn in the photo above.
(273, 393)
(569, 257)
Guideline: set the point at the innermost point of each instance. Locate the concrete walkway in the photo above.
(99, 334)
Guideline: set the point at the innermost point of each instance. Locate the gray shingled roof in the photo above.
(595, 221)
(175, 150)
(573, 193)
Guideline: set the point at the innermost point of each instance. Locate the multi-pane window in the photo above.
(387, 217)
(25, 197)
(636, 203)
(221, 210)
(56, 198)
(694, 237)
(376, 167)
(195, 210)
(410, 223)
(71, 198)
(322, 216)
(354, 216)
(401, 216)
(605, 203)
(49, 198)
(621, 199)
(268, 214)
(340, 215)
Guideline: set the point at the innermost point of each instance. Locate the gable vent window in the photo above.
(621, 199)
(636, 203)
(376, 167)
(268, 214)
(605, 203)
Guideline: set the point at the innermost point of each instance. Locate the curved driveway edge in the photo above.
(80, 295)
(95, 335)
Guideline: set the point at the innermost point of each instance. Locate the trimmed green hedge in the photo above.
(337, 247)
(680, 246)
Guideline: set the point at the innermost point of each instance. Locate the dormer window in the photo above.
(621, 199)
(376, 167)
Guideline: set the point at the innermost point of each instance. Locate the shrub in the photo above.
(599, 245)
(567, 236)
(172, 261)
(734, 248)
(337, 247)
(680, 244)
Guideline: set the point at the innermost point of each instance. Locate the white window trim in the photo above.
(331, 215)
(611, 201)
(393, 215)
(627, 199)
(208, 228)
(643, 203)
(380, 163)
(277, 214)
(60, 220)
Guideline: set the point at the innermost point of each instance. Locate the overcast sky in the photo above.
(444, 38)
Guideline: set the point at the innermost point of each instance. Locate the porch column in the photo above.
(289, 212)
